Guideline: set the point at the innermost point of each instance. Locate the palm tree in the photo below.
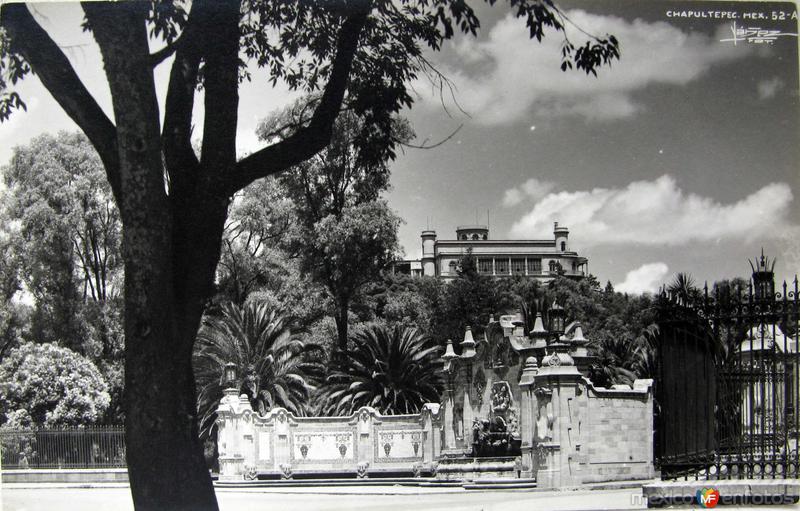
(395, 371)
(620, 360)
(645, 356)
(614, 358)
(684, 287)
(274, 366)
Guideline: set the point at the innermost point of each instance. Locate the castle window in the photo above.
(453, 267)
(534, 265)
(463, 236)
(518, 266)
(563, 246)
(485, 237)
(501, 266)
(552, 266)
(485, 266)
(475, 237)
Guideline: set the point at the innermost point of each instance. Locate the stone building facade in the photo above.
(540, 259)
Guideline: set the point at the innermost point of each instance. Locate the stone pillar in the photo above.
(463, 384)
(527, 420)
(235, 438)
(449, 437)
(281, 432)
(431, 426)
(470, 404)
(558, 384)
(367, 418)
(646, 385)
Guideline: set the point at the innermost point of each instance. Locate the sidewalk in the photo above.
(374, 487)
(337, 499)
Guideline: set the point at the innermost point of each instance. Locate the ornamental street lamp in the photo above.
(229, 375)
(556, 316)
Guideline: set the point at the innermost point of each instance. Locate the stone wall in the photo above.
(619, 433)
(570, 431)
(533, 391)
(282, 445)
(587, 434)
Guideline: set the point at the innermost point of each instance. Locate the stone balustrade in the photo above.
(279, 444)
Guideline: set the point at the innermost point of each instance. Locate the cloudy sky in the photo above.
(683, 156)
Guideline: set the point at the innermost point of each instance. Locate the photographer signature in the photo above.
(755, 35)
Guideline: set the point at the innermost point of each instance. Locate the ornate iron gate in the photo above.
(727, 387)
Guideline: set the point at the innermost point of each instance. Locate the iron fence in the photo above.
(80, 447)
(728, 382)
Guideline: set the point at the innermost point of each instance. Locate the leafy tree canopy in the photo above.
(66, 242)
(13, 315)
(59, 194)
(47, 385)
(340, 181)
(353, 250)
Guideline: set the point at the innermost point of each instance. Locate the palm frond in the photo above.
(393, 370)
(270, 361)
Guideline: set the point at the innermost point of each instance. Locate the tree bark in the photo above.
(169, 256)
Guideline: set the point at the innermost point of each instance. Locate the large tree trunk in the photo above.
(170, 249)
(165, 456)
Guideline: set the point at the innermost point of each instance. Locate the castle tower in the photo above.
(561, 235)
(429, 253)
(472, 232)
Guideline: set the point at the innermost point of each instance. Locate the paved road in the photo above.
(333, 499)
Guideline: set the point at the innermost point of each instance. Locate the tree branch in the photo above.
(313, 138)
(425, 145)
(177, 131)
(59, 78)
(221, 73)
(167, 51)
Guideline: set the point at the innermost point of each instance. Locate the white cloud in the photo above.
(533, 188)
(645, 279)
(768, 88)
(512, 77)
(658, 212)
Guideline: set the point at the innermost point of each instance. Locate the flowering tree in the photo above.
(47, 385)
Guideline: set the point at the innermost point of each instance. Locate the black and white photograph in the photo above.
(399, 254)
